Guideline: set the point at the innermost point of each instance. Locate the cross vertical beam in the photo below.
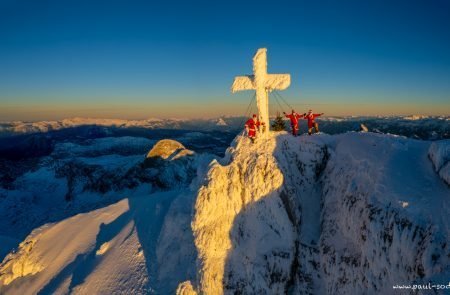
(262, 82)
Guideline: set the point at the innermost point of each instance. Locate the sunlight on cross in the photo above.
(262, 82)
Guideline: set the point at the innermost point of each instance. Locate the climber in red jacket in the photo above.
(311, 121)
(251, 126)
(294, 117)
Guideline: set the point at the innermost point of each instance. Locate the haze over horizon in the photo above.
(134, 59)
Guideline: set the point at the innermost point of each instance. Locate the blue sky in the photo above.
(137, 59)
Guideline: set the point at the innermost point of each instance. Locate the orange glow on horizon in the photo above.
(53, 111)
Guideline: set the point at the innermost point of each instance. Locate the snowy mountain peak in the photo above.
(354, 213)
(168, 149)
(305, 215)
(416, 117)
(221, 122)
(242, 199)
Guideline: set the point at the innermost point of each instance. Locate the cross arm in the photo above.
(241, 83)
(278, 81)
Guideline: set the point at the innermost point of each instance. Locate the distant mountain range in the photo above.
(20, 127)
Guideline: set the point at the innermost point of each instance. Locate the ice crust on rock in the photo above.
(439, 154)
(240, 221)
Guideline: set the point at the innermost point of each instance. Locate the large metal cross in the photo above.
(262, 82)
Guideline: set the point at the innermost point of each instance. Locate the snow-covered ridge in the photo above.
(45, 126)
(228, 198)
(439, 154)
(82, 176)
(353, 213)
(125, 145)
(118, 242)
(19, 127)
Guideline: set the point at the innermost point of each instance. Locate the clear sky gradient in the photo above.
(140, 59)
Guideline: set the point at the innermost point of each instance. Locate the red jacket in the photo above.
(294, 119)
(252, 124)
(310, 118)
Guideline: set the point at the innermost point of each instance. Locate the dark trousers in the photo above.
(316, 128)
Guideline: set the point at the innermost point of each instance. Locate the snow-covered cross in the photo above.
(262, 82)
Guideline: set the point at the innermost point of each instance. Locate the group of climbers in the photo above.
(254, 124)
(310, 116)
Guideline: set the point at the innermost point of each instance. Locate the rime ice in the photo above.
(262, 82)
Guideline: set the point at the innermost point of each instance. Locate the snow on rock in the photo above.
(371, 241)
(439, 154)
(172, 165)
(445, 173)
(355, 213)
(416, 117)
(176, 253)
(349, 214)
(242, 232)
(363, 128)
(49, 250)
(109, 251)
(168, 149)
(85, 180)
(23, 266)
(186, 288)
(221, 122)
(132, 247)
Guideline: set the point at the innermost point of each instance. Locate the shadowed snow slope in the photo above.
(439, 154)
(108, 251)
(354, 213)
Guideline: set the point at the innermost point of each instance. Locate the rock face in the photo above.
(439, 154)
(242, 230)
(171, 165)
(168, 149)
(384, 218)
(363, 128)
(348, 214)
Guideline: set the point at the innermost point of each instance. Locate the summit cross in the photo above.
(262, 82)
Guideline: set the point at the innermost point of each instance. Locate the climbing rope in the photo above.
(278, 102)
(282, 99)
(246, 114)
(252, 107)
(306, 104)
